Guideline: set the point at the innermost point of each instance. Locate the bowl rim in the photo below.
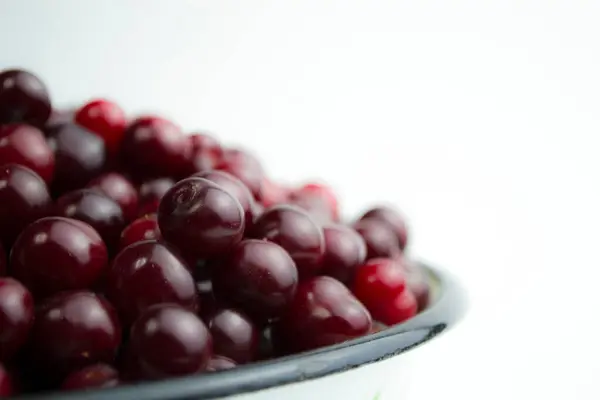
(446, 309)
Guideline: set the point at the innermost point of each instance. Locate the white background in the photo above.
(480, 119)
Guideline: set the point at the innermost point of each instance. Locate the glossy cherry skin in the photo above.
(92, 377)
(148, 273)
(106, 119)
(16, 316)
(393, 219)
(6, 383)
(245, 167)
(319, 200)
(200, 218)
(168, 341)
(96, 209)
(55, 254)
(151, 193)
(3, 260)
(237, 188)
(202, 154)
(273, 193)
(119, 189)
(220, 363)
(259, 277)
(80, 157)
(345, 251)
(323, 312)
(23, 98)
(234, 335)
(142, 229)
(72, 330)
(294, 230)
(24, 198)
(379, 238)
(27, 146)
(153, 147)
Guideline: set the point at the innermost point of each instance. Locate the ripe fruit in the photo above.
(392, 219)
(106, 119)
(23, 98)
(345, 251)
(16, 317)
(92, 376)
(234, 335)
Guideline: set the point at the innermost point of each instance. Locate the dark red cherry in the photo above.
(273, 193)
(6, 383)
(201, 155)
(119, 189)
(16, 316)
(96, 209)
(148, 273)
(26, 145)
(294, 230)
(234, 335)
(3, 261)
(393, 219)
(245, 167)
(151, 193)
(319, 200)
(345, 251)
(153, 147)
(143, 228)
(92, 377)
(205, 142)
(323, 312)
(167, 341)
(55, 254)
(24, 198)
(220, 363)
(259, 278)
(200, 218)
(73, 330)
(80, 157)
(379, 238)
(234, 186)
(106, 119)
(23, 98)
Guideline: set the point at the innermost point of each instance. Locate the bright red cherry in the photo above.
(24, 198)
(234, 335)
(148, 273)
(26, 145)
(119, 189)
(167, 341)
(345, 251)
(153, 147)
(106, 119)
(55, 254)
(151, 193)
(220, 363)
(143, 228)
(393, 219)
(323, 312)
(379, 238)
(294, 230)
(319, 200)
(92, 377)
(245, 167)
(23, 98)
(6, 383)
(200, 218)
(73, 330)
(16, 316)
(259, 278)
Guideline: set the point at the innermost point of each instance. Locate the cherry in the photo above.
(55, 254)
(27, 146)
(153, 147)
(234, 335)
(151, 193)
(416, 280)
(96, 209)
(345, 251)
(319, 200)
(200, 218)
(166, 341)
(6, 382)
(205, 143)
(16, 316)
(73, 330)
(119, 189)
(143, 228)
(58, 118)
(379, 238)
(234, 186)
(245, 167)
(3, 260)
(394, 220)
(148, 273)
(381, 285)
(91, 377)
(106, 119)
(220, 363)
(323, 312)
(24, 198)
(259, 278)
(294, 230)
(80, 157)
(23, 98)
(202, 153)
(273, 193)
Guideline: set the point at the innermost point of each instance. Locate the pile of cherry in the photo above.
(131, 251)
